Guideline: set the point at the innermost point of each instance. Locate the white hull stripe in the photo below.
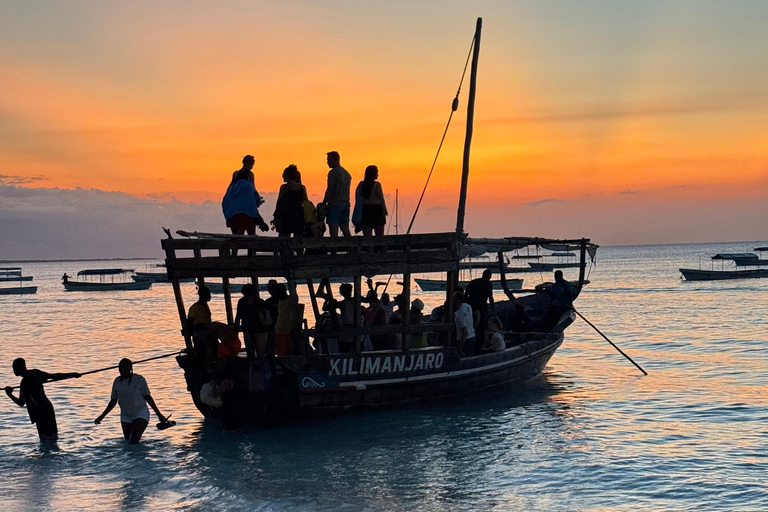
(362, 384)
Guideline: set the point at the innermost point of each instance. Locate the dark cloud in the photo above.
(88, 223)
(544, 201)
(14, 179)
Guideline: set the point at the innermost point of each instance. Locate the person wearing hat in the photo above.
(131, 392)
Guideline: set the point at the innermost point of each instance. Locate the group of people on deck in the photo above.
(294, 213)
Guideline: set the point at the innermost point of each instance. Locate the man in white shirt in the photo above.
(465, 325)
(132, 393)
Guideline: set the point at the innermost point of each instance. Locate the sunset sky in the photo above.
(626, 122)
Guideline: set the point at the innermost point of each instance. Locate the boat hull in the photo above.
(156, 277)
(536, 265)
(437, 285)
(19, 290)
(79, 286)
(310, 386)
(717, 275)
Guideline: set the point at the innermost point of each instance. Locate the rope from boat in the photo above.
(178, 352)
(454, 107)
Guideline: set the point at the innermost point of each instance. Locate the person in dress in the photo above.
(289, 210)
(32, 394)
(374, 207)
(336, 196)
(131, 392)
(241, 202)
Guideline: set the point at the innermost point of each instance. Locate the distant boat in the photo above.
(155, 276)
(437, 285)
(13, 274)
(561, 260)
(218, 286)
(109, 279)
(739, 260)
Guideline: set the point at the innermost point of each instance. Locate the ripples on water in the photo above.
(590, 433)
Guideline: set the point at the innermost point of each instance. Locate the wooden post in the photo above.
(200, 278)
(407, 312)
(228, 301)
(468, 136)
(582, 265)
(358, 303)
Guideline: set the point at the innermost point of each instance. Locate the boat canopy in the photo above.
(475, 247)
(761, 249)
(104, 271)
(10, 271)
(734, 256)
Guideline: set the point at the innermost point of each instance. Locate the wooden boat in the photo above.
(716, 275)
(439, 285)
(154, 276)
(556, 260)
(733, 272)
(109, 279)
(310, 381)
(14, 274)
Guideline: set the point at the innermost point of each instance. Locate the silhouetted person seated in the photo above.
(131, 392)
(199, 323)
(561, 293)
(494, 338)
(32, 394)
(519, 321)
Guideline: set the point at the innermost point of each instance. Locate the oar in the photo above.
(612, 343)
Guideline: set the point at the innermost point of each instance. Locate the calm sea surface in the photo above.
(591, 433)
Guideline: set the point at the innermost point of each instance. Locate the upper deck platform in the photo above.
(211, 255)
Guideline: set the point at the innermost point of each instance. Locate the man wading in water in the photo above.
(32, 394)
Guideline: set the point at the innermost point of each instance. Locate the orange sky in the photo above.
(575, 101)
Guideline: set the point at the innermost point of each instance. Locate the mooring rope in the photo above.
(178, 352)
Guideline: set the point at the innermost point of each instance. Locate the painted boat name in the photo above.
(386, 364)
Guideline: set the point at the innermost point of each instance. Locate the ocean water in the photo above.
(591, 433)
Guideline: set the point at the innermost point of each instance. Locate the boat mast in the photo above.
(468, 137)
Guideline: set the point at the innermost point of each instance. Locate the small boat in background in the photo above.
(14, 274)
(438, 285)
(745, 259)
(556, 260)
(109, 279)
(156, 276)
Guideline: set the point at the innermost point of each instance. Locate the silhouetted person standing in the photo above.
(241, 202)
(478, 295)
(32, 394)
(374, 206)
(132, 393)
(337, 196)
